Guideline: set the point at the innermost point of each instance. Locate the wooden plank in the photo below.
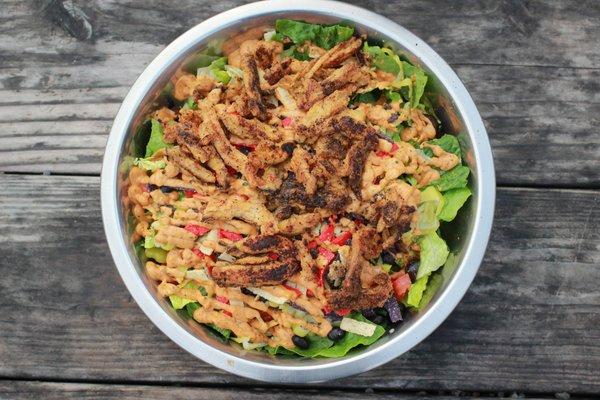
(530, 322)
(22, 390)
(58, 94)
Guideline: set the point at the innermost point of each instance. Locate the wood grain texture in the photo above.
(531, 66)
(63, 391)
(530, 322)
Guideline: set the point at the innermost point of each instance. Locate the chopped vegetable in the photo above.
(149, 165)
(159, 255)
(327, 233)
(179, 302)
(416, 292)
(234, 237)
(342, 238)
(357, 327)
(453, 179)
(434, 252)
(329, 255)
(267, 296)
(401, 286)
(323, 36)
(448, 143)
(454, 199)
(197, 229)
(156, 141)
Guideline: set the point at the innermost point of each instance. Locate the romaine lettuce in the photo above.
(383, 59)
(454, 199)
(419, 80)
(156, 141)
(149, 165)
(434, 252)
(416, 290)
(455, 178)
(179, 302)
(323, 36)
(448, 143)
(433, 285)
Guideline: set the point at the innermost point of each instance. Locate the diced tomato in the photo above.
(197, 229)
(231, 171)
(342, 238)
(189, 193)
(273, 256)
(247, 147)
(265, 316)
(327, 310)
(395, 147)
(222, 299)
(297, 291)
(287, 121)
(312, 245)
(230, 235)
(327, 233)
(228, 313)
(381, 153)
(198, 252)
(329, 255)
(310, 293)
(401, 286)
(343, 312)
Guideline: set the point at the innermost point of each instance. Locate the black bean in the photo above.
(412, 270)
(247, 292)
(388, 258)
(300, 342)
(151, 187)
(314, 253)
(336, 334)
(288, 147)
(393, 117)
(244, 150)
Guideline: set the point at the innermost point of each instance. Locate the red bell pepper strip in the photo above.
(222, 299)
(228, 313)
(326, 310)
(401, 286)
(321, 276)
(293, 289)
(342, 312)
(310, 293)
(230, 235)
(312, 245)
(329, 255)
(341, 239)
(197, 229)
(274, 256)
(189, 193)
(381, 153)
(327, 233)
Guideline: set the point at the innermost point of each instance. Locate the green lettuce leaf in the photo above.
(433, 285)
(293, 52)
(415, 293)
(216, 69)
(419, 79)
(191, 307)
(383, 59)
(454, 199)
(455, 178)
(226, 333)
(448, 143)
(434, 252)
(321, 35)
(156, 141)
(149, 165)
(367, 97)
(179, 302)
(351, 340)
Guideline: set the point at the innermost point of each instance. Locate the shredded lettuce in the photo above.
(293, 52)
(383, 59)
(453, 179)
(415, 293)
(191, 307)
(428, 220)
(216, 69)
(226, 333)
(149, 165)
(156, 141)
(419, 80)
(321, 35)
(158, 255)
(433, 285)
(434, 252)
(454, 199)
(370, 97)
(179, 302)
(448, 143)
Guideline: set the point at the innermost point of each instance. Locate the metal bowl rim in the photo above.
(336, 368)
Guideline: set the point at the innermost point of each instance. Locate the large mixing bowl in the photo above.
(467, 236)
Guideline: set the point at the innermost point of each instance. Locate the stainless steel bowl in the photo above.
(468, 235)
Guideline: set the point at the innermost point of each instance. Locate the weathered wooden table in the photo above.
(530, 324)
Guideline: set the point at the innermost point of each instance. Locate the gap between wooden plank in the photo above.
(120, 388)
